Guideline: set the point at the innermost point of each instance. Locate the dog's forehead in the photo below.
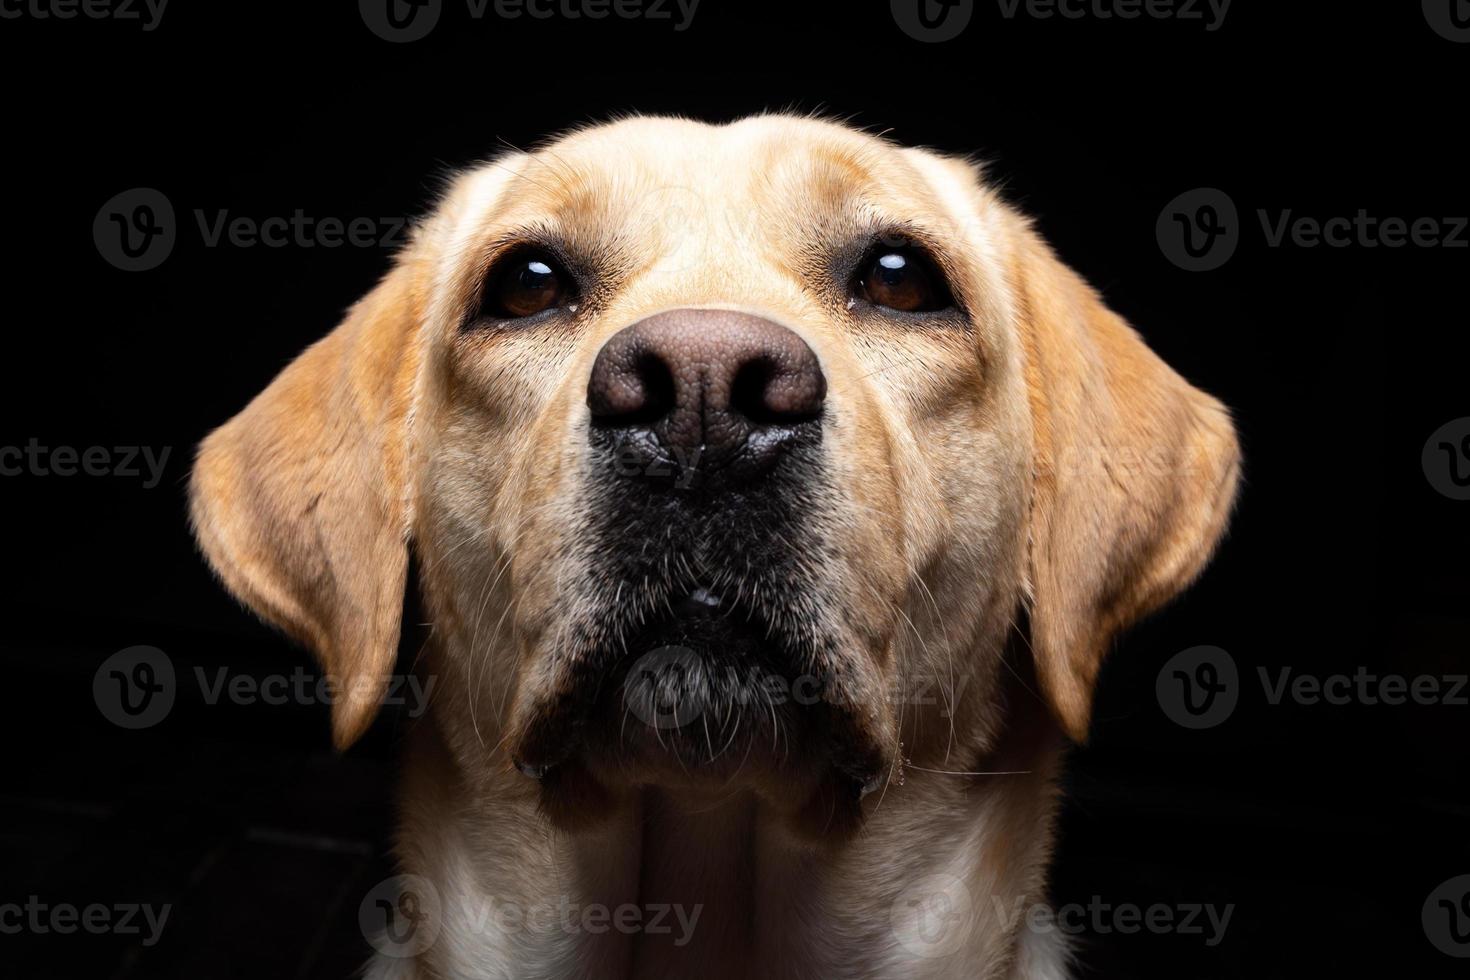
(650, 166)
(668, 148)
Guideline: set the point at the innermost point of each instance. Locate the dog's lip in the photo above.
(708, 623)
(698, 610)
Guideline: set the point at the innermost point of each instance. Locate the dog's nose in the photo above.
(703, 391)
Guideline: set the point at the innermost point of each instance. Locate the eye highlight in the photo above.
(525, 282)
(904, 278)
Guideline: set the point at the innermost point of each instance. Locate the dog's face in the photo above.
(719, 447)
(714, 400)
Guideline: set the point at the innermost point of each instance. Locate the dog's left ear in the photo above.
(301, 502)
(1135, 472)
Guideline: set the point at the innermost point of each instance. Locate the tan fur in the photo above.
(1042, 459)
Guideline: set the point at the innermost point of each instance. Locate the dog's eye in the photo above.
(523, 284)
(904, 279)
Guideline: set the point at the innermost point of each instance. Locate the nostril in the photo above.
(659, 397)
(748, 391)
(768, 393)
(639, 392)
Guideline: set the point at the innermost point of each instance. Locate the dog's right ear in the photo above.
(301, 503)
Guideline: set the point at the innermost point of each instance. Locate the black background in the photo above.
(1325, 826)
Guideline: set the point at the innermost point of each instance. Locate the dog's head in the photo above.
(718, 445)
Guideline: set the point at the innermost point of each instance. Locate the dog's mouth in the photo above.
(701, 684)
(708, 695)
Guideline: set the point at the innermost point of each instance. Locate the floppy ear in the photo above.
(1135, 473)
(301, 502)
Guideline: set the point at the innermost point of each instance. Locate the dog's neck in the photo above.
(935, 883)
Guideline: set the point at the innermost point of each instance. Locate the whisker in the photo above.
(952, 772)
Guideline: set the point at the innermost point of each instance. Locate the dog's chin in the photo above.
(706, 700)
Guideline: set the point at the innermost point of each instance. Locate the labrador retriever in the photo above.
(775, 492)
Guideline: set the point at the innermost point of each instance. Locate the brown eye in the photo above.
(523, 284)
(903, 279)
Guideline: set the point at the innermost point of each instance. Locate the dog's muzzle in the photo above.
(707, 643)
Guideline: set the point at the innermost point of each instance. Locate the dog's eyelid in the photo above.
(903, 238)
(511, 246)
(924, 244)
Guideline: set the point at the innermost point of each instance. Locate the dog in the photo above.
(774, 492)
